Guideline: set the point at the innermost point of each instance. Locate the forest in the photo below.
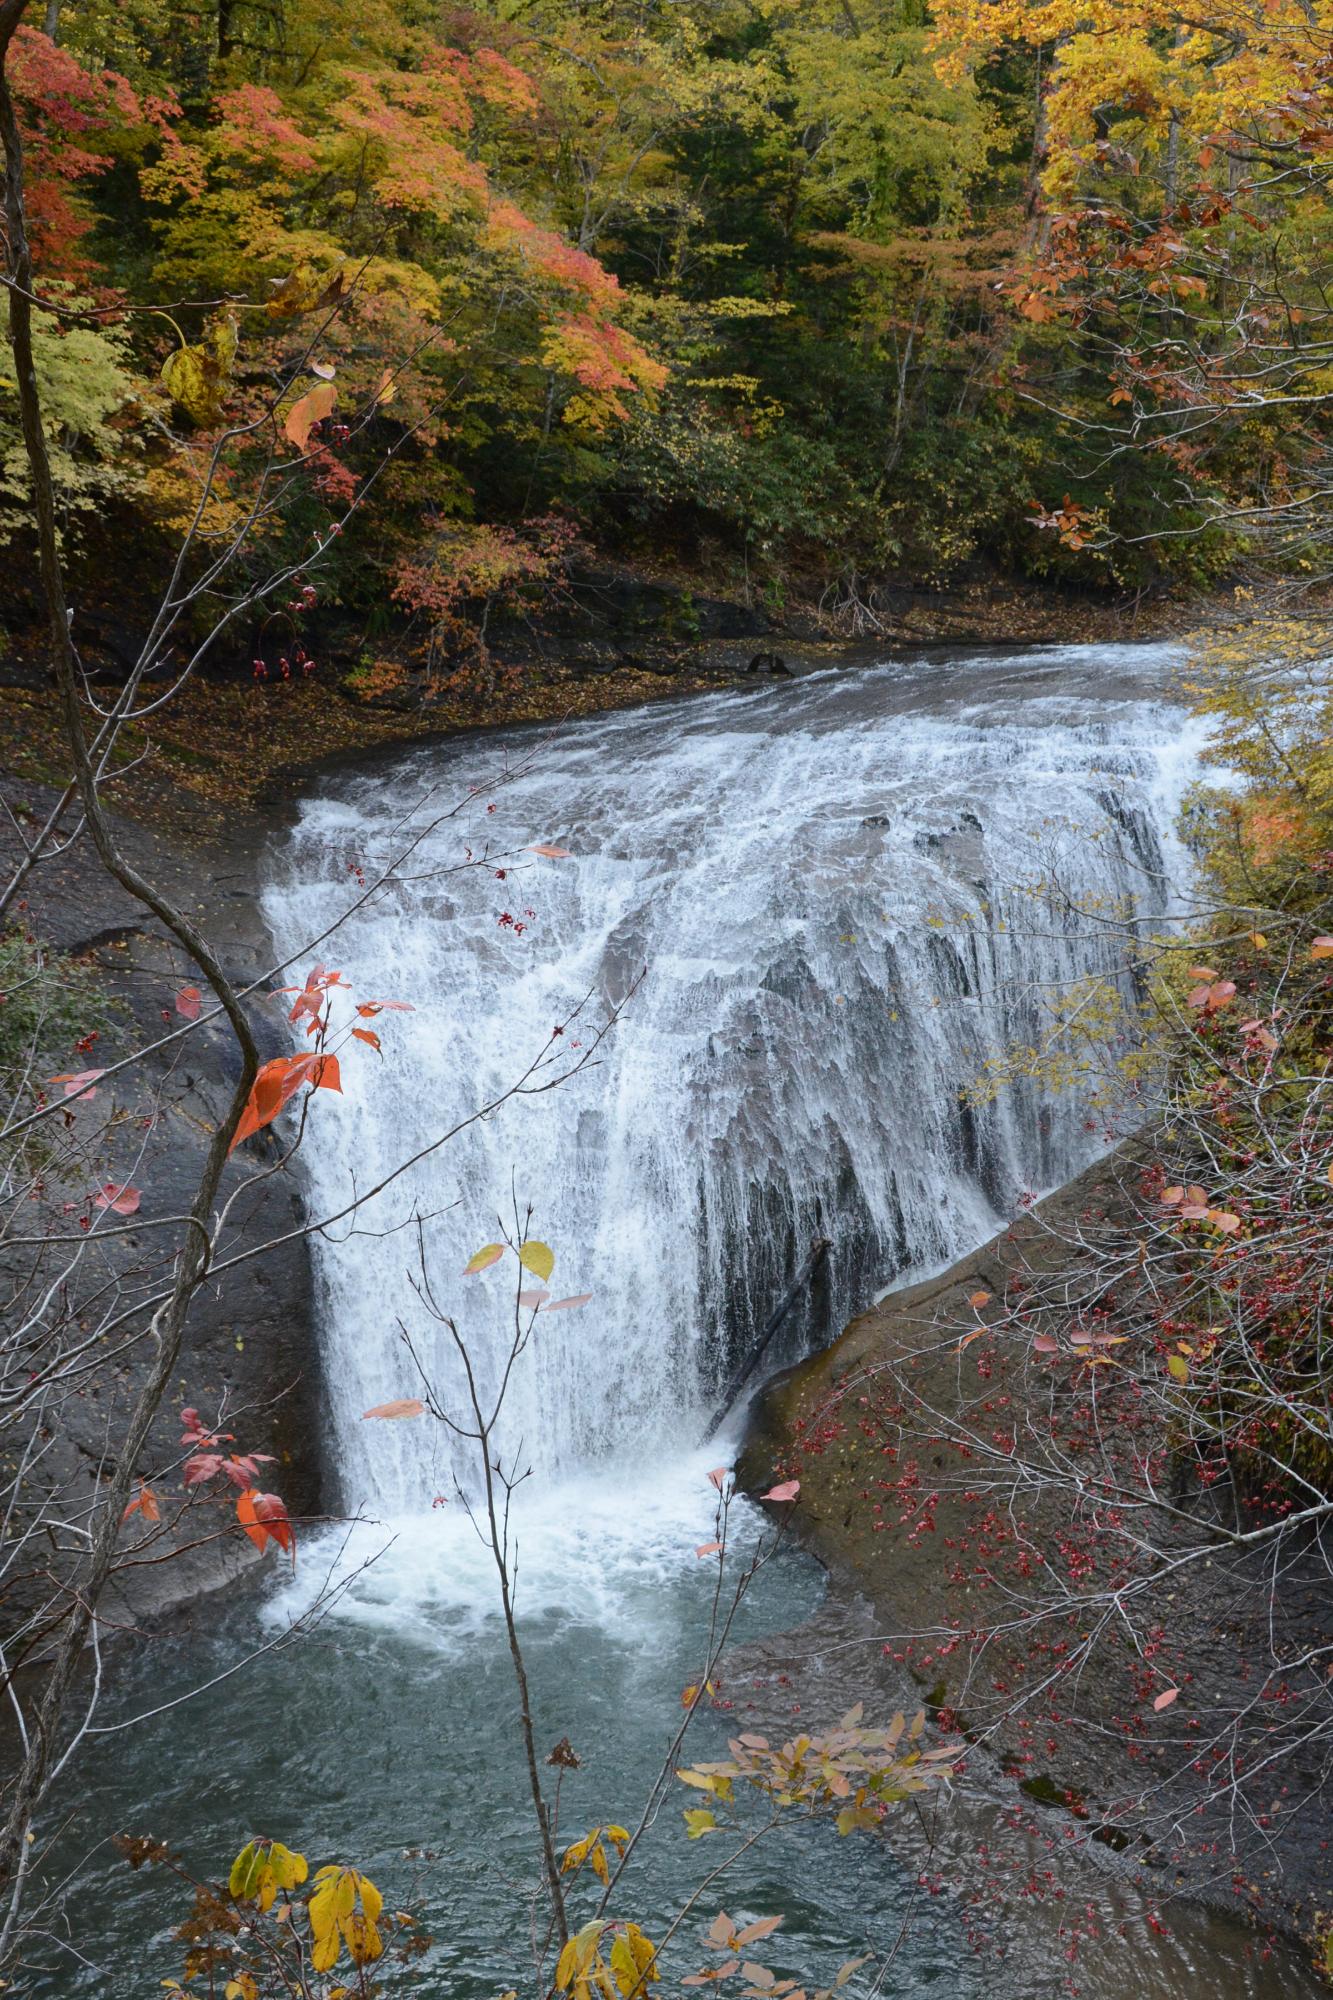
(666, 999)
(795, 299)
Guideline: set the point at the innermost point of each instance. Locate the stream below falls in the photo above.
(820, 906)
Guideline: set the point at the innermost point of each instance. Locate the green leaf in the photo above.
(240, 1868)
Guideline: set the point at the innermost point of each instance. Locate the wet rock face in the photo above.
(249, 1360)
(616, 618)
(817, 1419)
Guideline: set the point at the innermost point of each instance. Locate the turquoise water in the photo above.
(388, 1737)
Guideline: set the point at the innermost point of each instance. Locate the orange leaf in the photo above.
(560, 1305)
(309, 410)
(1165, 1699)
(551, 853)
(272, 1514)
(787, 1491)
(763, 1927)
(265, 1520)
(326, 1074)
(249, 1520)
(708, 1548)
(124, 1200)
(76, 1082)
(404, 1406)
(979, 1299)
(188, 1002)
(276, 1083)
(368, 1036)
(268, 1094)
(145, 1503)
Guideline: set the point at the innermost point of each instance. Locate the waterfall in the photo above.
(843, 895)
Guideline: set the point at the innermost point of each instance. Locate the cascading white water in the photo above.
(843, 895)
(804, 871)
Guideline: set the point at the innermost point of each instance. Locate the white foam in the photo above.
(592, 1548)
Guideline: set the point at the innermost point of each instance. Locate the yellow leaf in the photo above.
(577, 1957)
(196, 376)
(1178, 1368)
(539, 1258)
(484, 1259)
(699, 1821)
(371, 1900)
(324, 1952)
(363, 1939)
(633, 1961)
(290, 1867)
(299, 292)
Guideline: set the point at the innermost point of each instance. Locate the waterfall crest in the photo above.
(843, 895)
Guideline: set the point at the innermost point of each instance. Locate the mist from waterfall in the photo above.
(837, 898)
